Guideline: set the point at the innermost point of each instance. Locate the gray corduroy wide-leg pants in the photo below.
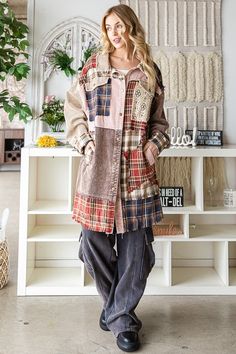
(120, 273)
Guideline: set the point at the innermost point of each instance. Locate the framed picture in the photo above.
(208, 137)
(172, 196)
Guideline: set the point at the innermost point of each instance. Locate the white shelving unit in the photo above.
(200, 260)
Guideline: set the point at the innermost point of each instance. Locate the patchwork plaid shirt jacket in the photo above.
(118, 182)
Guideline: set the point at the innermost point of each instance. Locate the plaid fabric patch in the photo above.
(93, 213)
(128, 105)
(141, 213)
(98, 215)
(139, 170)
(131, 140)
(99, 100)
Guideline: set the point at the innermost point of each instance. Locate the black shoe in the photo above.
(128, 341)
(102, 321)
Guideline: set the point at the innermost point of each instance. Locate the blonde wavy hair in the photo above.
(136, 34)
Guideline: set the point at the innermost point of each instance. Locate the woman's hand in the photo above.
(148, 154)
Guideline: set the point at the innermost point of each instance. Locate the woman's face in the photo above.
(114, 28)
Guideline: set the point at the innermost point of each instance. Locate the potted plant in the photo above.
(53, 113)
(13, 43)
(58, 59)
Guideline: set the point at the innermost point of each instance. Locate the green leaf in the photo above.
(11, 70)
(4, 93)
(28, 110)
(67, 72)
(23, 44)
(12, 114)
(6, 107)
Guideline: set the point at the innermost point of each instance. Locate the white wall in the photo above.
(229, 58)
(47, 17)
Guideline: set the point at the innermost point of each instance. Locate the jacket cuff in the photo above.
(158, 143)
(79, 144)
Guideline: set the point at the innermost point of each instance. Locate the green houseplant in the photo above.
(13, 43)
(53, 113)
(59, 60)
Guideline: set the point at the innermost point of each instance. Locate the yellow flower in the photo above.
(46, 141)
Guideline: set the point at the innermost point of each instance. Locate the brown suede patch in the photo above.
(95, 176)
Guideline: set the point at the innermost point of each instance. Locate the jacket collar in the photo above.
(103, 63)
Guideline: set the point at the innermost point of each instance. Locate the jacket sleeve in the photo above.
(158, 139)
(77, 132)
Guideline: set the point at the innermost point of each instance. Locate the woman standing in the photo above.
(115, 119)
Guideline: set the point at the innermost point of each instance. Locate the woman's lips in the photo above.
(116, 40)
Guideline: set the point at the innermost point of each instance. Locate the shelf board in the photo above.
(88, 280)
(225, 232)
(195, 277)
(89, 284)
(59, 151)
(170, 238)
(189, 208)
(54, 281)
(227, 150)
(55, 233)
(157, 278)
(50, 207)
(219, 210)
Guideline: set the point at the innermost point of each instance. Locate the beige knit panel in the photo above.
(192, 76)
(185, 37)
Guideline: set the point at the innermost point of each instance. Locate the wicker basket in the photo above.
(4, 251)
(4, 263)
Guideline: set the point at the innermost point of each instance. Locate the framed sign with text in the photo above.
(172, 196)
(208, 137)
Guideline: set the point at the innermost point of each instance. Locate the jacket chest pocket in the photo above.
(139, 170)
(141, 105)
(98, 95)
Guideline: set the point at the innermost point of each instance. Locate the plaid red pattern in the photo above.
(128, 104)
(94, 214)
(139, 169)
